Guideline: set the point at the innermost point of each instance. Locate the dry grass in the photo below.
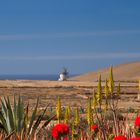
(74, 93)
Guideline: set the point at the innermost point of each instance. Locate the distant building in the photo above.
(63, 75)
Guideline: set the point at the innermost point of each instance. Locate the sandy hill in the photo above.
(123, 72)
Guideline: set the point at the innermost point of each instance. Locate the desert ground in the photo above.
(76, 90)
(73, 93)
(128, 72)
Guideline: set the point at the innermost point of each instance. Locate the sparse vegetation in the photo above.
(102, 119)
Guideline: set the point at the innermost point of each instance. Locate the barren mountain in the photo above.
(122, 72)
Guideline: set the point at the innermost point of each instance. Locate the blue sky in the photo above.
(43, 36)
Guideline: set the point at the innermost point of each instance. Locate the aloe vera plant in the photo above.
(15, 119)
(12, 119)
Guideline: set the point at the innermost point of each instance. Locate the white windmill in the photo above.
(63, 75)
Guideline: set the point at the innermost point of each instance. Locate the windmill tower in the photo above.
(63, 75)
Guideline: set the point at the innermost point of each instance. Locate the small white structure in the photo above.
(62, 77)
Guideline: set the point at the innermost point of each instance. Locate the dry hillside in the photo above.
(123, 72)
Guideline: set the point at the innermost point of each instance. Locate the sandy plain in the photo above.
(73, 93)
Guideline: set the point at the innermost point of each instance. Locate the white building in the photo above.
(62, 77)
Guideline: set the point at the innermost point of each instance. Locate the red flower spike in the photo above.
(94, 127)
(120, 138)
(137, 122)
(60, 130)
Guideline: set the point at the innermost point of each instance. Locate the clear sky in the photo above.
(43, 36)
